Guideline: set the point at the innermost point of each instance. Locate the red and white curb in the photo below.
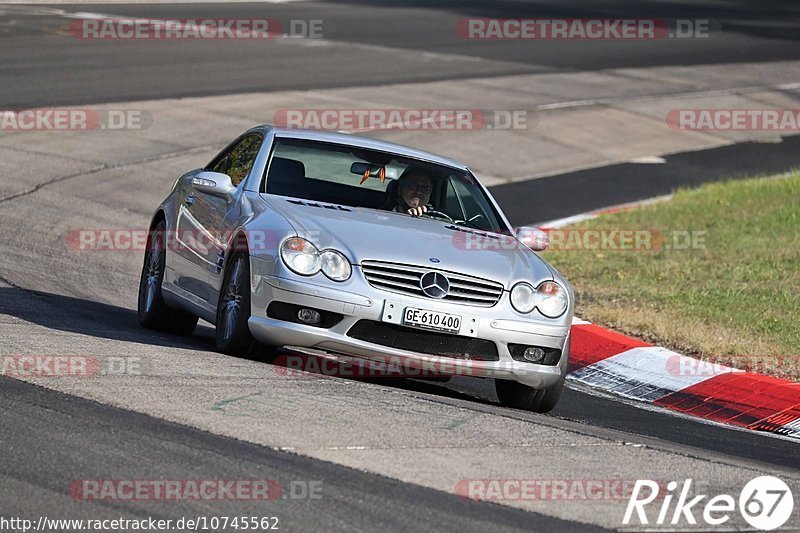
(639, 371)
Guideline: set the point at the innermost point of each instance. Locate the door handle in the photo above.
(189, 200)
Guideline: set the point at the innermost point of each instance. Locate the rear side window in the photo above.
(237, 161)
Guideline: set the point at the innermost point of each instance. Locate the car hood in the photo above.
(369, 234)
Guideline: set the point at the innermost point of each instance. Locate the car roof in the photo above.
(361, 142)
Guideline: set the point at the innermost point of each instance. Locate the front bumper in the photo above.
(363, 302)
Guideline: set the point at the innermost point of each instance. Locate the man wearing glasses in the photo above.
(414, 188)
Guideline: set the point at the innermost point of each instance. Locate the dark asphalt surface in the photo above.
(367, 43)
(50, 439)
(57, 440)
(563, 195)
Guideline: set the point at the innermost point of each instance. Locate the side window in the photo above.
(237, 161)
(475, 208)
(452, 205)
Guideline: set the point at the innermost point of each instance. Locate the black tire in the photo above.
(519, 396)
(233, 311)
(152, 310)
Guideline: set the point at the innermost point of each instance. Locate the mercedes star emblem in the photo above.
(434, 284)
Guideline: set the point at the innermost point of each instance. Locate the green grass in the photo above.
(736, 297)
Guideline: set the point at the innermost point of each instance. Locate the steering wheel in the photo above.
(433, 213)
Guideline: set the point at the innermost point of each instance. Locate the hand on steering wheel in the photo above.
(417, 211)
(433, 213)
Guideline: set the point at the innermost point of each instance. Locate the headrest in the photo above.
(284, 171)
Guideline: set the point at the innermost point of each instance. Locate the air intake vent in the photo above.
(472, 232)
(314, 204)
(426, 342)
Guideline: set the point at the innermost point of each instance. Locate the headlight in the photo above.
(522, 298)
(335, 265)
(303, 258)
(551, 299)
(300, 256)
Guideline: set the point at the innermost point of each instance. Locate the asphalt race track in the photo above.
(375, 43)
(388, 454)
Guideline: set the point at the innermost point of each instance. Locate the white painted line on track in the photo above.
(574, 219)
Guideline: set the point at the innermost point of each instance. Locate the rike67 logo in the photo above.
(766, 503)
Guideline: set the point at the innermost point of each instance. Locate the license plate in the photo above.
(422, 318)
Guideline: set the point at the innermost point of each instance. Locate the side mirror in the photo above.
(534, 238)
(214, 183)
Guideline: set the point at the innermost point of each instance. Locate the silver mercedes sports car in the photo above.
(353, 246)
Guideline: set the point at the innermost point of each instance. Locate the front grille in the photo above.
(426, 342)
(404, 279)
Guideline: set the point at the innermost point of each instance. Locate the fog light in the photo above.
(534, 355)
(308, 316)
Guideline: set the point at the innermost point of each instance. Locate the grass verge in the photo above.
(715, 272)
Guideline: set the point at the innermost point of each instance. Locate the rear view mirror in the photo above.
(214, 183)
(360, 168)
(367, 170)
(534, 238)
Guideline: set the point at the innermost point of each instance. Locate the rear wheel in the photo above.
(153, 312)
(233, 312)
(519, 396)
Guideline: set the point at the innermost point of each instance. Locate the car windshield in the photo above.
(358, 177)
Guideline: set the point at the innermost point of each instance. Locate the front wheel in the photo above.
(519, 396)
(233, 312)
(152, 310)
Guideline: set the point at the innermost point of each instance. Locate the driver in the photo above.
(414, 188)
